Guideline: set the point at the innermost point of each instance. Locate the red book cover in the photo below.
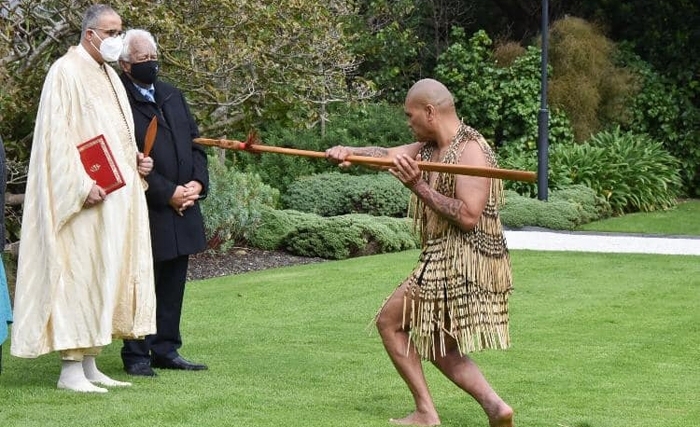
(100, 165)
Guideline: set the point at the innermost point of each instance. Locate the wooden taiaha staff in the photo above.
(510, 174)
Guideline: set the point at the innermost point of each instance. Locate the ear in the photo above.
(430, 112)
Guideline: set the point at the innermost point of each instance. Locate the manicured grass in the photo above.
(599, 340)
(683, 220)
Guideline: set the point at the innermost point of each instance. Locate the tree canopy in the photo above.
(239, 62)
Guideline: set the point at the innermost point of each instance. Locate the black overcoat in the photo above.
(177, 160)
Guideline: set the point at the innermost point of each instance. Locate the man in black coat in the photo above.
(178, 182)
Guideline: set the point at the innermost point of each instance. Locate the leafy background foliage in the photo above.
(664, 111)
(500, 101)
(358, 124)
(632, 172)
(587, 83)
(624, 92)
(234, 209)
(244, 62)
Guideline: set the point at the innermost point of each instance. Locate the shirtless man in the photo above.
(455, 301)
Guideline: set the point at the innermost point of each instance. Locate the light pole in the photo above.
(543, 116)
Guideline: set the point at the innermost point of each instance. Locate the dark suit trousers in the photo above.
(170, 277)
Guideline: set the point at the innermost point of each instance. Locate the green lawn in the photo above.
(599, 340)
(682, 220)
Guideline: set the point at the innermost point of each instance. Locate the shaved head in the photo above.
(429, 91)
(430, 109)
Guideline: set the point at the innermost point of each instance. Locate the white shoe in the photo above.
(82, 387)
(109, 382)
(73, 378)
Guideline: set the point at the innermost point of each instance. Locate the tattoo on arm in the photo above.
(446, 206)
(370, 151)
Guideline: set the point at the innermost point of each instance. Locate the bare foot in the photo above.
(502, 416)
(417, 419)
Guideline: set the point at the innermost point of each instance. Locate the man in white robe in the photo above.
(85, 270)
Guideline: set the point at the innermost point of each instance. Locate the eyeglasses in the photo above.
(110, 33)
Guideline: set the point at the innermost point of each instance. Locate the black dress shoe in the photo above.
(140, 370)
(177, 363)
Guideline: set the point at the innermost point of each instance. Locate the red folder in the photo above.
(100, 165)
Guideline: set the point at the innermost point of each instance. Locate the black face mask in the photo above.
(145, 72)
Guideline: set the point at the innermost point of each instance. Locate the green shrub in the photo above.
(566, 209)
(522, 211)
(275, 225)
(347, 236)
(233, 208)
(513, 157)
(519, 90)
(321, 194)
(335, 193)
(558, 215)
(586, 82)
(519, 211)
(631, 171)
(591, 207)
(280, 170)
(500, 102)
(367, 124)
(666, 113)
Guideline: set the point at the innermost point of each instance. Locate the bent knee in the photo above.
(388, 322)
(392, 316)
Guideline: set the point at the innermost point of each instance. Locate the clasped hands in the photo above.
(405, 168)
(185, 196)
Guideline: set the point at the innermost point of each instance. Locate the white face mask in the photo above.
(111, 48)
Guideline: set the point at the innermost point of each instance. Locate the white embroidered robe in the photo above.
(85, 275)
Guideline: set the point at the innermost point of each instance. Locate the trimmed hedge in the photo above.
(335, 193)
(348, 236)
(353, 235)
(566, 209)
(276, 225)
